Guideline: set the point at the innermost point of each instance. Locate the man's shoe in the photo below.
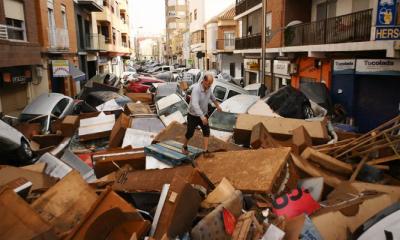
(185, 150)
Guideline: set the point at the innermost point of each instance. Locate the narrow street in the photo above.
(200, 119)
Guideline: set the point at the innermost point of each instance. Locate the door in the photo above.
(91, 69)
(232, 70)
(377, 100)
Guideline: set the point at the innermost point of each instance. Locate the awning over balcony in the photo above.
(76, 73)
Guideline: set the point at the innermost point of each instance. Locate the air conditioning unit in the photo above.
(293, 68)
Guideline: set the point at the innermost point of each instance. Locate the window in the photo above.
(195, 14)
(190, 17)
(171, 13)
(105, 32)
(60, 107)
(15, 19)
(219, 93)
(52, 27)
(229, 39)
(64, 17)
(114, 36)
(171, 2)
(268, 25)
(181, 2)
(232, 93)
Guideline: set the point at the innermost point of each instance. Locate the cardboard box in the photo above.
(179, 210)
(13, 209)
(118, 131)
(96, 127)
(142, 97)
(252, 171)
(137, 108)
(111, 217)
(69, 125)
(104, 161)
(278, 127)
(65, 204)
(176, 131)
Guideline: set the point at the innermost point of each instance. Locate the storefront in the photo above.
(312, 70)
(251, 71)
(268, 75)
(14, 89)
(66, 77)
(368, 89)
(377, 94)
(281, 74)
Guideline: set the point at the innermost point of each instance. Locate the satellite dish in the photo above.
(295, 22)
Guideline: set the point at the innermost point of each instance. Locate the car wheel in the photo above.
(25, 152)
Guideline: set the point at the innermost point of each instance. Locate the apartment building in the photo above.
(220, 34)
(90, 44)
(352, 46)
(200, 12)
(20, 70)
(113, 24)
(57, 37)
(176, 15)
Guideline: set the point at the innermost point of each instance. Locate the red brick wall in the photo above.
(18, 53)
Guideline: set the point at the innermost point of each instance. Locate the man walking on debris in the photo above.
(198, 110)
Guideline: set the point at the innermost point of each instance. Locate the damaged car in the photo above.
(13, 144)
(47, 108)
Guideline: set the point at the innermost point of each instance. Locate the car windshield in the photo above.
(224, 121)
(180, 106)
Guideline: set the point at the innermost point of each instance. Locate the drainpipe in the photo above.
(264, 19)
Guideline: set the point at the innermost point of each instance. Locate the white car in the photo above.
(45, 108)
(13, 144)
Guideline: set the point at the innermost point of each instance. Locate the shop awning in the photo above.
(76, 73)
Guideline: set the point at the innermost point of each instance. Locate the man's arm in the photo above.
(216, 103)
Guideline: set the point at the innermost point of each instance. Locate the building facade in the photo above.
(176, 15)
(90, 44)
(220, 44)
(200, 12)
(351, 46)
(57, 35)
(113, 24)
(20, 62)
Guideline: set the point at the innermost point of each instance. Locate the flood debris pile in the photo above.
(121, 174)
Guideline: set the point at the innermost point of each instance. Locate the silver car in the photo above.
(46, 108)
(13, 144)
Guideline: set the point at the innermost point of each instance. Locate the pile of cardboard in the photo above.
(122, 175)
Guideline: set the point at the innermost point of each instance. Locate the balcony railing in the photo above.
(95, 42)
(244, 5)
(92, 5)
(58, 39)
(226, 44)
(354, 27)
(249, 42)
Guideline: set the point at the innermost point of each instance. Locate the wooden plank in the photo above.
(249, 170)
(358, 169)
(66, 203)
(383, 160)
(327, 161)
(19, 220)
(329, 178)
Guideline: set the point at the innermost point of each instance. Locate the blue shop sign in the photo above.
(386, 15)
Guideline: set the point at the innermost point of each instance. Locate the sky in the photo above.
(147, 14)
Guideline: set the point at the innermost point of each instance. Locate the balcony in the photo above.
(249, 42)
(58, 39)
(354, 27)
(92, 5)
(244, 5)
(226, 45)
(95, 42)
